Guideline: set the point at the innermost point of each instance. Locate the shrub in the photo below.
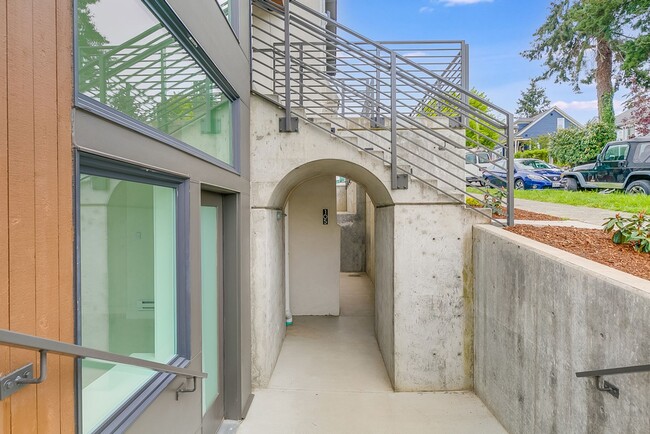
(573, 146)
(634, 230)
(540, 154)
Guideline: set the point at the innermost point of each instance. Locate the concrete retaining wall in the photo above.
(543, 314)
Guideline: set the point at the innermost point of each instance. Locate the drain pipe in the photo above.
(287, 293)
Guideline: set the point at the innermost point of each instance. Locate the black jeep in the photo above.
(621, 165)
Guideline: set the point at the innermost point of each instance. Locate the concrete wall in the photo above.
(353, 229)
(433, 325)
(370, 239)
(314, 249)
(267, 304)
(543, 314)
(384, 286)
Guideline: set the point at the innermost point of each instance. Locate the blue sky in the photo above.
(496, 30)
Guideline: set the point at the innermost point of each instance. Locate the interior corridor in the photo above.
(330, 378)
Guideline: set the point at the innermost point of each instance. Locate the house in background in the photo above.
(625, 126)
(547, 122)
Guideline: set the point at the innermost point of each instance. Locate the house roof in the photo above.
(623, 118)
(542, 115)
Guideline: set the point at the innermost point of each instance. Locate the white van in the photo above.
(474, 161)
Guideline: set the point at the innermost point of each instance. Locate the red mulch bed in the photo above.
(592, 244)
(521, 214)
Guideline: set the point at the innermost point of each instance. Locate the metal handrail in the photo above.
(606, 386)
(614, 371)
(385, 99)
(29, 342)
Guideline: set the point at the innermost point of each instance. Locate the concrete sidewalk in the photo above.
(594, 216)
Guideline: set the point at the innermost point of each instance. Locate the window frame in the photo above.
(91, 164)
(619, 145)
(166, 16)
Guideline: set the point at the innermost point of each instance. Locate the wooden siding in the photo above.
(36, 214)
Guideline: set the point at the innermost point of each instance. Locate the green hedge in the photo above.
(540, 154)
(574, 146)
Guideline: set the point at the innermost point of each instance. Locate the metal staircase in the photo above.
(406, 103)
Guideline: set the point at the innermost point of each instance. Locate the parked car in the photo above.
(474, 162)
(529, 174)
(621, 165)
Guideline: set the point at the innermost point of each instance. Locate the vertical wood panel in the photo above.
(5, 413)
(36, 225)
(22, 271)
(46, 204)
(65, 207)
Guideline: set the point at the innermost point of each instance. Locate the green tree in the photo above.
(578, 32)
(533, 101)
(479, 132)
(89, 42)
(573, 146)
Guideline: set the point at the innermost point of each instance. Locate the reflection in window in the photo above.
(226, 8)
(128, 287)
(129, 61)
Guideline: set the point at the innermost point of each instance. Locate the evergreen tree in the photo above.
(578, 32)
(533, 101)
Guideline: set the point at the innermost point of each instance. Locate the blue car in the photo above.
(530, 174)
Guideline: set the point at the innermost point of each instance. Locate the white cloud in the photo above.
(426, 10)
(463, 2)
(590, 105)
(576, 105)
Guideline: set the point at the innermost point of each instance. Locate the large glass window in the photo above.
(128, 294)
(129, 61)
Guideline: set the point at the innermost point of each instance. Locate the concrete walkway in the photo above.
(330, 379)
(594, 216)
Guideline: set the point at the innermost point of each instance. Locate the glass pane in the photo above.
(128, 286)
(129, 61)
(225, 6)
(642, 153)
(615, 153)
(209, 305)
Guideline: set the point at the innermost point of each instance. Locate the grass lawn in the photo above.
(614, 201)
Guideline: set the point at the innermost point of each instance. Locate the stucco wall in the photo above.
(543, 314)
(314, 249)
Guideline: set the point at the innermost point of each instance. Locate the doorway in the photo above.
(212, 301)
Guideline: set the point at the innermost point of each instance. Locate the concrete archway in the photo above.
(269, 261)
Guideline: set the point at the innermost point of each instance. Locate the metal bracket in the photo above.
(182, 389)
(289, 127)
(402, 181)
(18, 379)
(608, 387)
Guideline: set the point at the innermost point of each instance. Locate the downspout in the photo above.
(331, 10)
(287, 291)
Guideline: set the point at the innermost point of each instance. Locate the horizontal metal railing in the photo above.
(48, 346)
(605, 386)
(408, 100)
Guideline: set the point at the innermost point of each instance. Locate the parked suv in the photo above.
(620, 165)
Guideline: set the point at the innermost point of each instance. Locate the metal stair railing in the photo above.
(408, 106)
(13, 382)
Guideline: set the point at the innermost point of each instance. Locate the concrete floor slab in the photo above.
(311, 412)
(330, 379)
